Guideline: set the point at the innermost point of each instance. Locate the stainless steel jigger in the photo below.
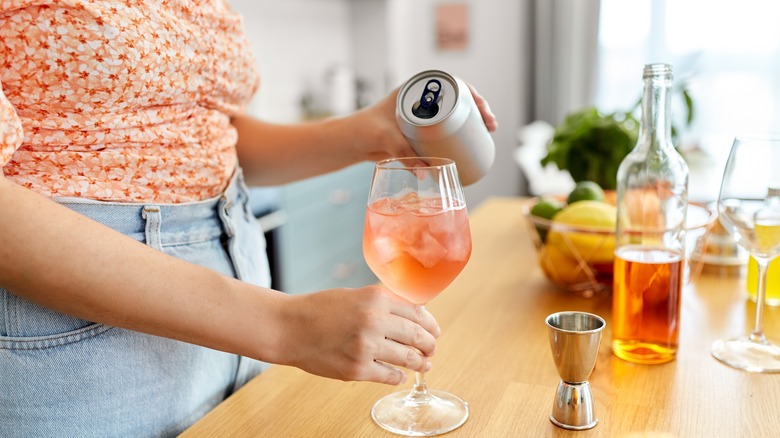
(574, 341)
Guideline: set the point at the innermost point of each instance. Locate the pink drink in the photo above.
(415, 246)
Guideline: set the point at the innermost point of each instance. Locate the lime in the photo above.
(586, 191)
(545, 208)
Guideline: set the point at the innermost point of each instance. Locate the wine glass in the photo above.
(417, 240)
(749, 209)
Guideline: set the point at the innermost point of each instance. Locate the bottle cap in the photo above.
(656, 70)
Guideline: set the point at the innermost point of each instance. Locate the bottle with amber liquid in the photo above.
(652, 201)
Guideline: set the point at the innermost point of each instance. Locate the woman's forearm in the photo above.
(69, 263)
(273, 154)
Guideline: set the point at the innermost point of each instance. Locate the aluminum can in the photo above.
(437, 114)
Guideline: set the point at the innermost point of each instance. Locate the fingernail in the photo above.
(428, 365)
(403, 378)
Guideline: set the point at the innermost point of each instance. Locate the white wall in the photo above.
(295, 42)
(370, 44)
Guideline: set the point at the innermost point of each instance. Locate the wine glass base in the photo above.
(434, 413)
(746, 354)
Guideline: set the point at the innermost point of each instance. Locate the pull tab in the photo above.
(428, 105)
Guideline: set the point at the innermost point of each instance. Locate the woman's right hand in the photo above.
(358, 334)
(375, 135)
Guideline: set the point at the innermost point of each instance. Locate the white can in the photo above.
(437, 114)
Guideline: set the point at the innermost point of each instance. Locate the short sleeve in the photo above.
(10, 129)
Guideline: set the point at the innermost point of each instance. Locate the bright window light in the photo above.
(728, 52)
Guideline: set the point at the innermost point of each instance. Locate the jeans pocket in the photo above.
(27, 326)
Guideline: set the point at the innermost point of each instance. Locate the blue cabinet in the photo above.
(319, 246)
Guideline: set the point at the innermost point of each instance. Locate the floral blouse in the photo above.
(122, 100)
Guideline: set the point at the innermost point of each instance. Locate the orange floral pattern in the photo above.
(122, 100)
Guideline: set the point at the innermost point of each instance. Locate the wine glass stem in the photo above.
(419, 390)
(757, 335)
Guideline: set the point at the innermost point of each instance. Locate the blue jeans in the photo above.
(67, 377)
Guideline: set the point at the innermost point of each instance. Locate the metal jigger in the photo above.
(574, 341)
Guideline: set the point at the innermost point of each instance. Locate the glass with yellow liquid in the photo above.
(749, 209)
(772, 281)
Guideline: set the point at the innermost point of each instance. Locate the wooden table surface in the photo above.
(494, 353)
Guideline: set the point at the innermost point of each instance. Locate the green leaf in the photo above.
(688, 107)
(591, 146)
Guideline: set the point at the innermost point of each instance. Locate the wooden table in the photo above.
(495, 354)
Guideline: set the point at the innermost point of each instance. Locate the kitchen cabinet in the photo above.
(321, 238)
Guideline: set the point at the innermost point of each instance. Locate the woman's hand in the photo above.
(358, 334)
(377, 136)
(491, 123)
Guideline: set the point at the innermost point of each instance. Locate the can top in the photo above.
(412, 97)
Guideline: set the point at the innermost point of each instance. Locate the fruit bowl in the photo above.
(579, 259)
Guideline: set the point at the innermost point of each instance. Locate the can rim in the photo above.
(407, 86)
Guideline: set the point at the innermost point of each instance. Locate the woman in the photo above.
(133, 285)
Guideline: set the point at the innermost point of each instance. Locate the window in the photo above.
(728, 52)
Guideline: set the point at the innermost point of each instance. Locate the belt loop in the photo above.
(239, 190)
(153, 219)
(225, 206)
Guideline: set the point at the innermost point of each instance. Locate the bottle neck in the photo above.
(655, 130)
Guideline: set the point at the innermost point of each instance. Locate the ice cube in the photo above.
(385, 206)
(428, 251)
(408, 237)
(459, 247)
(430, 206)
(385, 250)
(410, 201)
(385, 225)
(445, 223)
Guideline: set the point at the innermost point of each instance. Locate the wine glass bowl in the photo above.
(749, 210)
(416, 240)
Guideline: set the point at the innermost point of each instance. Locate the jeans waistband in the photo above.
(178, 223)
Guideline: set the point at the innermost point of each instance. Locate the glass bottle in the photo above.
(652, 202)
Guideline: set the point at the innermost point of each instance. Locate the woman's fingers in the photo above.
(396, 354)
(410, 337)
(491, 123)
(415, 327)
(392, 354)
(406, 333)
(384, 373)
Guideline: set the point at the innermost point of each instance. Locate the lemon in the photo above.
(586, 191)
(561, 267)
(593, 247)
